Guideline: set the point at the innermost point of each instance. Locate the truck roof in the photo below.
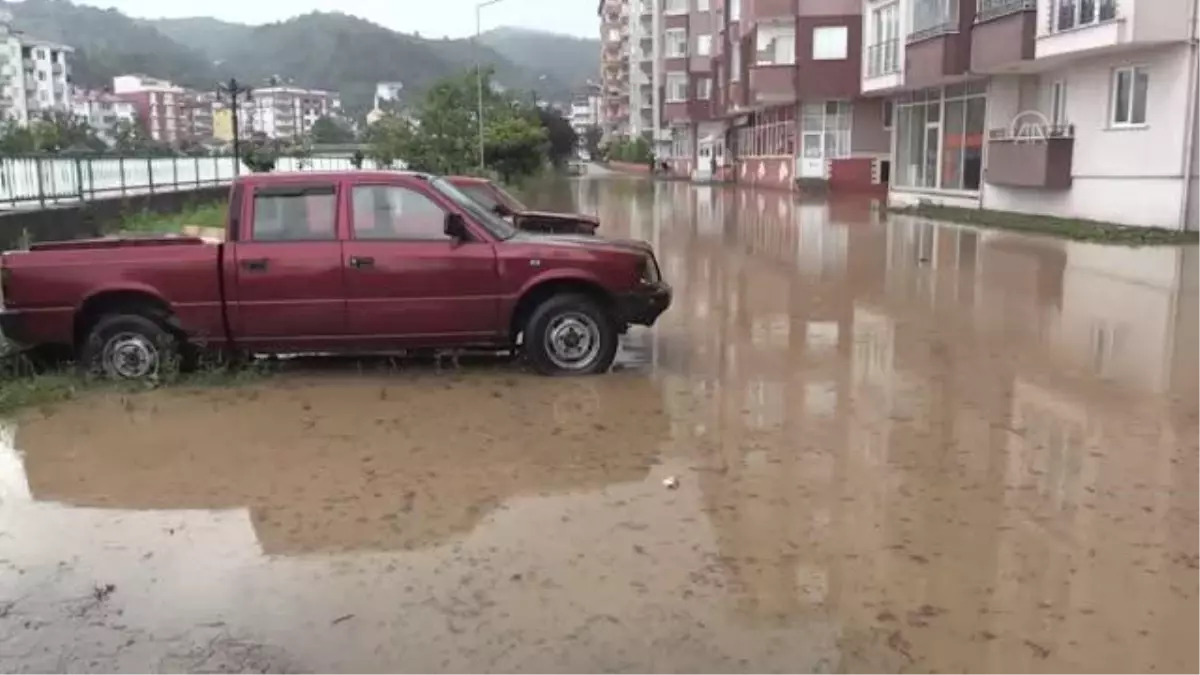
(305, 176)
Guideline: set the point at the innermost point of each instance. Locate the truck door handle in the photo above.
(255, 265)
(359, 262)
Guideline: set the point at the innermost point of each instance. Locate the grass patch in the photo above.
(204, 215)
(1069, 228)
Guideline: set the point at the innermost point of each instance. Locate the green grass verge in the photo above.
(1068, 228)
(204, 215)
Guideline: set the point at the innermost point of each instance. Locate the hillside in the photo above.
(325, 50)
(570, 60)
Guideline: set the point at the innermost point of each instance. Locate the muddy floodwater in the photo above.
(898, 446)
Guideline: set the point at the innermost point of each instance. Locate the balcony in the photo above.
(1003, 35)
(936, 50)
(883, 58)
(768, 10)
(772, 84)
(1041, 159)
(1087, 25)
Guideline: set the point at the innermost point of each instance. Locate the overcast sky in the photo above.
(431, 18)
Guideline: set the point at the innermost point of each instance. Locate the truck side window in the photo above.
(393, 212)
(304, 214)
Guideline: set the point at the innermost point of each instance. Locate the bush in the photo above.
(633, 150)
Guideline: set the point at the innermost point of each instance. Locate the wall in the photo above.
(867, 134)
(95, 218)
(1130, 176)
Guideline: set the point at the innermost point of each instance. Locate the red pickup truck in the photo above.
(358, 262)
(503, 204)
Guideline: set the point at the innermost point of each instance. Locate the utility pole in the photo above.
(479, 73)
(233, 90)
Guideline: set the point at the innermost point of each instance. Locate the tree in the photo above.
(563, 140)
(591, 139)
(440, 134)
(327, 130)
(53, 132)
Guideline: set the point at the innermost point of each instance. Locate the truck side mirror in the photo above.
(456, 227)
(502, 210)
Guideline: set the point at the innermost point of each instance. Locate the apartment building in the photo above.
(1071, 108)
(585, 109)
(103, 111)
(158, 104)
(196, 116)
(284, 112)
(35, 76)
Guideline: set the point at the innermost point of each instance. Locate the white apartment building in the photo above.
(1069, 108)
(631, 72)
(585, 110)
(35, 76)
(289, 112)
(158, 105)
(103, 112)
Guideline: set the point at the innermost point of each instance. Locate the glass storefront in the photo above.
(939, 138)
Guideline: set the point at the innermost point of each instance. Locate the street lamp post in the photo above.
(479, 72)
(233, 89)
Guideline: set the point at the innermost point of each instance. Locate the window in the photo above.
(883, 54)
(677, 43)
(1070, 14)
(703, 88)
(939, 140)
(677, 87)
(497, 226)
(295, 214)
(702, 5)
(735, 62)
(735, 10)
(1058, 103)
(703, 45)
(675, 6)
(392, 212)
(829, 43)
(889, 114)
(934, 17)
(776, 45)
(1129, 92)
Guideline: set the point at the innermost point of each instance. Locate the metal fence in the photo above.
(39, 182)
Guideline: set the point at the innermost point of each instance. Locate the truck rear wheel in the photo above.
(130, 347)
(570, 334)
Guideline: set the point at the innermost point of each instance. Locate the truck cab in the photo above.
(337, 262)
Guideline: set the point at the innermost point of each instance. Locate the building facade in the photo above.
(282, 112)
(103, 112)
(1070, 108)
(158, 105)
(35, 75)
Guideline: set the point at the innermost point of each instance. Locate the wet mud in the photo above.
(898, 446)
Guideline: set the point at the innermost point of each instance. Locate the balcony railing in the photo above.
(883, 58)
(986, 10)
(931, 18)
(1071, 14)
(1032, 133)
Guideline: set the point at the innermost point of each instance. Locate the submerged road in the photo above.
(899, 446)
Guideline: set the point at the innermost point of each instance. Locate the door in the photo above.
(407, 283)
(288, 291)
(703, 170)
(812, 155)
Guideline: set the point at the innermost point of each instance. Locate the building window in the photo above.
(889, 114)
(772, 133)
(677, 43)
(703, 45)
(933, 17)
(677, 88)
(776, 45)
(1129, 92)
(883, 54)
(703, 88)
(1058, 103)
(825, 129)
(735, 62)
(735, 10)
(939, 139)
(1070, 14)
(702, 5)
(830, 43)
(675, 6)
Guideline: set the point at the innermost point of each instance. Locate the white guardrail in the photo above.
(42, 182)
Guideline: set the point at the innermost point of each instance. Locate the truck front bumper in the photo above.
(643, 306)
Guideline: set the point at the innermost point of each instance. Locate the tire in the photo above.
(131, 347)
(586, 340)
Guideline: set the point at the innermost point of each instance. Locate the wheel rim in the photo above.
(572, 341)
(130, 356)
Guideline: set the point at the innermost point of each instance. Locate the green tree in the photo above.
(515, 147)
(327, 130)
(564, 142)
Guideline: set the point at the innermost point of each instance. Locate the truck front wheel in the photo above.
(570, 334)
(130, 347)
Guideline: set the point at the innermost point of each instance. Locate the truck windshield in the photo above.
(500, 228)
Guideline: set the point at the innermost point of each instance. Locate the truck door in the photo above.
(407, 283)
(289, 291)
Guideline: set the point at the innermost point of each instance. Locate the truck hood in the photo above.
(582, 241)
(552, 215)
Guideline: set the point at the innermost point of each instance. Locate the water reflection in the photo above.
(902, 445)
